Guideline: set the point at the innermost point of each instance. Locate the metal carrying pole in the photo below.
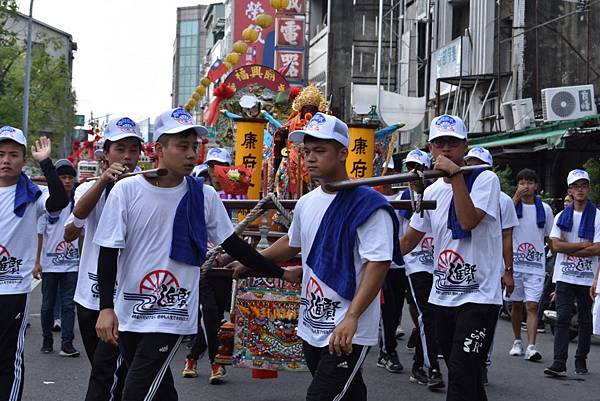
(290, 204)
(397, 178)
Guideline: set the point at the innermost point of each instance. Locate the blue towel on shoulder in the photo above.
(540, 213)
(332, 254)
(189, 226)
(25, 193)
(453, 224)
(586, 226)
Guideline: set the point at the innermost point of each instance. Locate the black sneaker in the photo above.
(484, 378)
(558, 369)
(581, 367)
(436, 381)
(47, 346)
(68, 350)
(390, 362)
(418, 375)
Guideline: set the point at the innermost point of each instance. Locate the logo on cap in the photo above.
(478, 150)
(417, 152)
(579, 173)
(446, 123)
(126, 125)
(182, 116)
(8, 131)
(316, 122)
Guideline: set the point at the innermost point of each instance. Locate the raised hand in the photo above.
(41, 149)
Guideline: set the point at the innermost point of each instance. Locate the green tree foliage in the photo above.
(506, 184)
(592, 166)
(52, 103)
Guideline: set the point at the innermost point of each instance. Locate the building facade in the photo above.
(188, 50)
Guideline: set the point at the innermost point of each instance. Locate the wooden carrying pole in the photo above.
(396, 178)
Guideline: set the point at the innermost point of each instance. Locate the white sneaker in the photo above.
(532, 354)
(517, 348)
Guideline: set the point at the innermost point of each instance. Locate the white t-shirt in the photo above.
(465, 270)
(18, 241)
(419, 259)
(528, 241)
(86, 293)
(508, 214)
(322, 309)
(58, 255)
(155, 293)
(391, 198)
(571, 269)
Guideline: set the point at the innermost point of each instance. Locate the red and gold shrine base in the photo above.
(266, 321)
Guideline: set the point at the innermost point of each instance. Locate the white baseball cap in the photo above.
(174, 121)
(220, 155)
(576, 175)
(447, 125)
(120, 128)
(199, 169)
(480, 153)
(13, 134)
(391, 165)
(419, 157)
(323, 126)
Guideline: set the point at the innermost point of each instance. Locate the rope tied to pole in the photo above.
(254, 214)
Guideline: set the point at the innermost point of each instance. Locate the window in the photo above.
(460, 18)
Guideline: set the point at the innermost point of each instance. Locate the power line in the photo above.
(580, 9)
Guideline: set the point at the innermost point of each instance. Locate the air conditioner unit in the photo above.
(568, 102)
(518, 114)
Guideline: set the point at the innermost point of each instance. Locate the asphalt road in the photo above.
(53, 378)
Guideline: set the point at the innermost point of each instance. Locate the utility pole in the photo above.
(379, 43)
(27, 72)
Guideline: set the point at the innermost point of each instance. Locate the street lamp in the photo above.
(27, 72)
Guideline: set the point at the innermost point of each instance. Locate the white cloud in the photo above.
(124, 61)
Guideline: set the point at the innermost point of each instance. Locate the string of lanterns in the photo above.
(249, 36)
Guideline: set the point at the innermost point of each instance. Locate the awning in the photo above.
(552, 139)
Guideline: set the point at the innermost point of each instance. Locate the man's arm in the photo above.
(370, 285)
(592, 250)
(57, 196)
(507, 255)
(280, 250)
(107, 326)
(410, 240)
(37, 270)
(248, 256)
(72, 232)
(563, 246)
(467, 214)
(88, 201)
